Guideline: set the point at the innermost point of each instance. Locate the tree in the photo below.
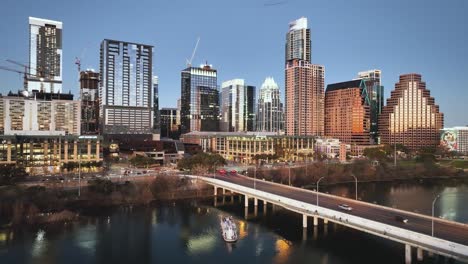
(375, 154)
(101, 186)
(201, 161)
(10, 174)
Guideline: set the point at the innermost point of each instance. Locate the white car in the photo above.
(345, 207)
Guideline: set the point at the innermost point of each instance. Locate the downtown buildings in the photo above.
(304, 82)
(411, 117)
(199, 109)
(89, 96)
(126, 90)
(269, 116)
(237, 106)
(45, 56)
(455, 139)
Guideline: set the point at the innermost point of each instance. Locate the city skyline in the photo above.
(389, 47)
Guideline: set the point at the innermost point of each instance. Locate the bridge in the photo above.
(450, 239)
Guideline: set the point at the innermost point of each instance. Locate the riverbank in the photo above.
(38, 205)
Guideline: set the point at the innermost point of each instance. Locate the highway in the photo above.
(450, 231)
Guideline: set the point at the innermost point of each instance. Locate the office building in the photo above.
(411, 116)
(126, 90)
(304, 82)
(375, 92)
(270, 108)
(247, 147)
(347, 112)
(455, 139)
(199, 106)
(237, 106)
(156, 113)
(45, 56)
(170, 123)
(89, 97)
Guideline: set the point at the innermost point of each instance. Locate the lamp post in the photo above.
(79, 169)
(433, 204)
(289, 174)
(355, 187)
(318, 189)
(255, 177)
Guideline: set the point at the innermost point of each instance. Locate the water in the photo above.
(188, 232)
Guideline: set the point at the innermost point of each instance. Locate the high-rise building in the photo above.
(199, 107)
(170, 123)
(298, 41)
(156, 113)
(237, 106)
(126, 89)
(411, 116)
(89, 97)
(45, 55)
(347, 112)
(304, 113)
(270, 109)
(375, 92)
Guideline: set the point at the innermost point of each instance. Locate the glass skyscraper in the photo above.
(375, 91)
(45, 55)
(237, 106)
(199, 109)
(126, 88)
(270, 109)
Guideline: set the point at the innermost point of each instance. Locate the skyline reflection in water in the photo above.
(188, 232)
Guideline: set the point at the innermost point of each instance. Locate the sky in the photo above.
(245, 39)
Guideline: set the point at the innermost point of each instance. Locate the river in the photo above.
(188, 231)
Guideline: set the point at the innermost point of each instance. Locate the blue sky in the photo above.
(245, 39)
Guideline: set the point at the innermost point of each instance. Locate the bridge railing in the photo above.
(416, 239)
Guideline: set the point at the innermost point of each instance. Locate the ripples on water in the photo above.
(188, 232)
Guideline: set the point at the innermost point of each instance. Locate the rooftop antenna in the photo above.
(189, 62)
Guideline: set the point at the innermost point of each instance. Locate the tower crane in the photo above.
(189, 62)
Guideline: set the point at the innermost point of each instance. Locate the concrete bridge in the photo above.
(450, 238)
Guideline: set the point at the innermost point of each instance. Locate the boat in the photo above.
(229, 229)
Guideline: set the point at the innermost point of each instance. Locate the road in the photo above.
(421, 224)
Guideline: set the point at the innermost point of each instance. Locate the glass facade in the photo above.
(199, 99)
(89, 84)
(269, 116)
(237, 106)
(375, 91)
(156, 112)
(126, 88)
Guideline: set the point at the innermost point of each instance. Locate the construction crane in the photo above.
(25, 75)
(189, 62)
(40, 72)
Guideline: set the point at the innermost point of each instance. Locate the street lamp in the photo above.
(318, 188)
(289, 167)
(433, 204)
(79, 169)
(255, 177)
(355, 188)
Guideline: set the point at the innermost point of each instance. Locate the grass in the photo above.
(461, 164)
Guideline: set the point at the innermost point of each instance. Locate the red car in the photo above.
(222, 171)
(233, 172)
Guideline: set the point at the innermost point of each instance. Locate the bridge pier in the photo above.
(419, 254)
(315, 220)
(325, 221)
(304, 221)
(215, 190)
(246, 202)
(255, 202)
(407, 254)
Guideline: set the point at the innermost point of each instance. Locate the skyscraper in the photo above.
(375, 91)
(237, 106)
(170, 123)
(156, 113)
(126, 89)
(347, 112)
(45, 55)
(304, 84)
(411, 116)
(199, 109)
(270, 109)
(89, 97)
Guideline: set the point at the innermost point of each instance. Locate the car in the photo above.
(222, 171)
(345, 207)
(401, 219)
(233, 172)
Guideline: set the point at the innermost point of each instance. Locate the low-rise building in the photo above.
(247, 147)
(455, 139)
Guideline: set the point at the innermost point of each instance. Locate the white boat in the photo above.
(229, 229)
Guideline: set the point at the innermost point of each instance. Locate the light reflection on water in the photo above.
(188, 232)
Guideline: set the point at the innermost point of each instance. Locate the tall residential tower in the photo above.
(304, 113)
(126, 89)
(45, 55)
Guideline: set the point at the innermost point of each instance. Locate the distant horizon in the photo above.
(245, 40)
